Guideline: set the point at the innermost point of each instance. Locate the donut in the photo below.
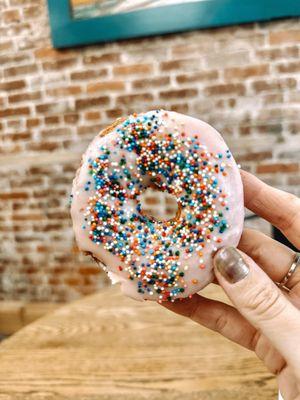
(152, 259)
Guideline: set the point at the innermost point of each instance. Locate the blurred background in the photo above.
(244, 80)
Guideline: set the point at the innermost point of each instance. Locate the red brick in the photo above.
(103, 58)
(246, 72)
(178, 94)
(28, 96)
(58, 65)
(294, 128)
(151, 82)
(282, 37)
(30, 270)
(19, 136)
(273, 98)
(11, 112)
(174, 65)
(51, 108)
(279, 167)
(64, 91)
(31, 181)
(90, 130)
(133, 69)
(59, 214)
(54, 281)
(48, 227)
(32, 12)
(14, 123)
(32, 122)
(294, 96)
(71, 118)
(229, 88)
(88, 74)
(14, 59)
(115, 113)
(290, 67)
(225, 103)
(134, 98)
(72, 281)
(89, 270)
(197, 77)
(21, 70)
(105, 86)
(69, 168)
(14, 196)
(27, 217)
(7, 45)
(51, 53)
(42, 249)
(180, 108)
(52, 120)
(86, 290)
(271, 54)
(19, 29)
(10, 16)
(12, 85)
(45, 146)
(60, 180)
(268, 128)
(254, 156)
(12, 148)
(92, 115)
(278, 113)
(56, 132)
(90, 102)
(277, 84)
(187, 49)
(40, 170)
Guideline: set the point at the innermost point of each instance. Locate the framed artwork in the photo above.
(81, 22)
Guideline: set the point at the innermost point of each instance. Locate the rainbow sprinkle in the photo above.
(152, 252)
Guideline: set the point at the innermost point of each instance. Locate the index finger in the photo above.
(280, 208)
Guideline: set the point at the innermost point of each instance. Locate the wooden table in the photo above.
(108, 347)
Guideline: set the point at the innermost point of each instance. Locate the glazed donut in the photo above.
(178, 154)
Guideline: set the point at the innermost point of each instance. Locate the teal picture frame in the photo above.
(69, 32)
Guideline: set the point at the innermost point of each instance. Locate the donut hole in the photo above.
(158, 205)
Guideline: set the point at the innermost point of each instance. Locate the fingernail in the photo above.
(231, 265)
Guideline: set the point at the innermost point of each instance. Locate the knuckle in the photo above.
(254, 340)
(221, 323)
(279, 367)
(265, 351)
(258, 252)
(264, 302)
(287, 219)
(194, 312)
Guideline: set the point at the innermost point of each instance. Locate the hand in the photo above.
(264, 319)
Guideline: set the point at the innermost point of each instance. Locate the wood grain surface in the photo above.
(109, 347)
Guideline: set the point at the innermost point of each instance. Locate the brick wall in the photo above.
(243, 80)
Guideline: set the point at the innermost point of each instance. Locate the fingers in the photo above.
(279, 208)
(227, 321)
(260, 301)
(216, 316)
(273, 257)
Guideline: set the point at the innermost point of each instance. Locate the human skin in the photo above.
(263, 318)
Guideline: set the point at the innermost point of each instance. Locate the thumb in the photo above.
(259, 300)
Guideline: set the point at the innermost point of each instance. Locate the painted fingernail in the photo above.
(230, 264)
